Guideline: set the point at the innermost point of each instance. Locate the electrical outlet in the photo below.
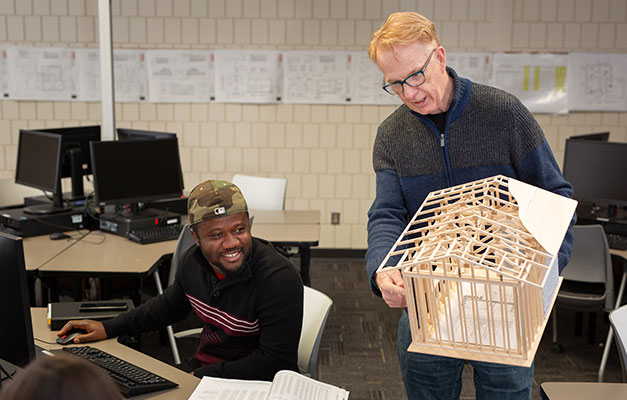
(335, 218)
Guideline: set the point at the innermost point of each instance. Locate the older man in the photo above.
(448, 131)
(249, 297)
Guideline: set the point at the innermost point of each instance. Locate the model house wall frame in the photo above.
(479, 263)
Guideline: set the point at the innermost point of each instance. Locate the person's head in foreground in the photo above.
(60, 377)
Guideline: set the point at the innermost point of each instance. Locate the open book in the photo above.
(287, 385)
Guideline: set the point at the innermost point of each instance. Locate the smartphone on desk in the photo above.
(86, 307)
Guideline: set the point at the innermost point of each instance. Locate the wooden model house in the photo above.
(479, 263)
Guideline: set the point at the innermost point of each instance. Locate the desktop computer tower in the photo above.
(20, 223)
(121, 224)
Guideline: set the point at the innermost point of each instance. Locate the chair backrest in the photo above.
(618, 319)
(185, 241)
(316, 307)
(591, 260)
(12, 194)
(262, 193)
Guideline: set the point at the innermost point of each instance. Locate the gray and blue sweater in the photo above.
(487, 132)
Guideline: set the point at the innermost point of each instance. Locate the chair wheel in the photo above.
(557, 348)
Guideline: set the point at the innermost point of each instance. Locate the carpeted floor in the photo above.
(358, 349)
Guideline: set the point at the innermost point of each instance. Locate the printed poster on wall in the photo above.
(315, 77)
(538, 80)
(597, 82)
(180, 76)
(37, 73)
(248, 76)
(365, 81)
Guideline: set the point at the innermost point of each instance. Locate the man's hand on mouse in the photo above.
(95, 330)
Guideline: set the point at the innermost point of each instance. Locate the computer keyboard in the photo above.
(155, 234)
(131, 379)
(615, 241)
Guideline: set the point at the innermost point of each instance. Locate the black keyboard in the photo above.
(615, 241)
(155, 234)
(131, 379)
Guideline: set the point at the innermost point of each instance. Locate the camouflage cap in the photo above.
(212, 199)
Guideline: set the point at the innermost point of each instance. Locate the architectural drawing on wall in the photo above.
(129, 74)
(475, 66)
(315, 77)
(4, 90)
(538, 80)
(597, 82)
(364, 81)
(248, 76)
(180, 76)
(480, 269)
(40, 73)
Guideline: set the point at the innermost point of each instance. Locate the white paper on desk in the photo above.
(221, 389)
(287, 385)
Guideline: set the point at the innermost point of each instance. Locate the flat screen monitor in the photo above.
(596, 169)
(602, 136)
(16, 336)
(39, 157)
(136, 171)
(136, 134)
(76, 160)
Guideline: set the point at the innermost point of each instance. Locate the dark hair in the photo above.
(61, 377)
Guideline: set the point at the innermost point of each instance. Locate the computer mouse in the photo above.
(59, 236)
(68, 338)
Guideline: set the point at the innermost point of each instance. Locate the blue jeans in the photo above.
(433, 377)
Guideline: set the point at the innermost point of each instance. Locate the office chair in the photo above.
(316, 308)
(588, 283)
(185, 241)
(618, 320)
(262, 193)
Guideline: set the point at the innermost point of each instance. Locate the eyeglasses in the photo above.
(414, 80)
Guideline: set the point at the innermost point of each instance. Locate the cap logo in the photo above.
(219, 211)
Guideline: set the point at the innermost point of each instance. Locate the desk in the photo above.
(99, 254)
(187, 383)
(290, 228)
(583, 390)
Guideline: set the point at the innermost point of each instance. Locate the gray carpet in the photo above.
(358, 349)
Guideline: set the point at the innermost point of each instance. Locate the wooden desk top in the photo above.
(187, 383)
(288, 234)
(40, 249)
(102, 252)
(584, 390)
(285, 217)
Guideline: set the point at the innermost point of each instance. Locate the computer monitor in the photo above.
(76, 160)
(136, 171)
(136, 134)
(16, 336)
(596, 170)
(602, 136)
(39, 157)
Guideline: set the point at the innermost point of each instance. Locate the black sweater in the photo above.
(251, 319)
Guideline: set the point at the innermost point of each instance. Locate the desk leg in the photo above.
(305, 258)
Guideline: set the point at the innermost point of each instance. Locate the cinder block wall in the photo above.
(324, 151)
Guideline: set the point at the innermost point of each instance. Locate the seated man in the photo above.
(249, 297)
